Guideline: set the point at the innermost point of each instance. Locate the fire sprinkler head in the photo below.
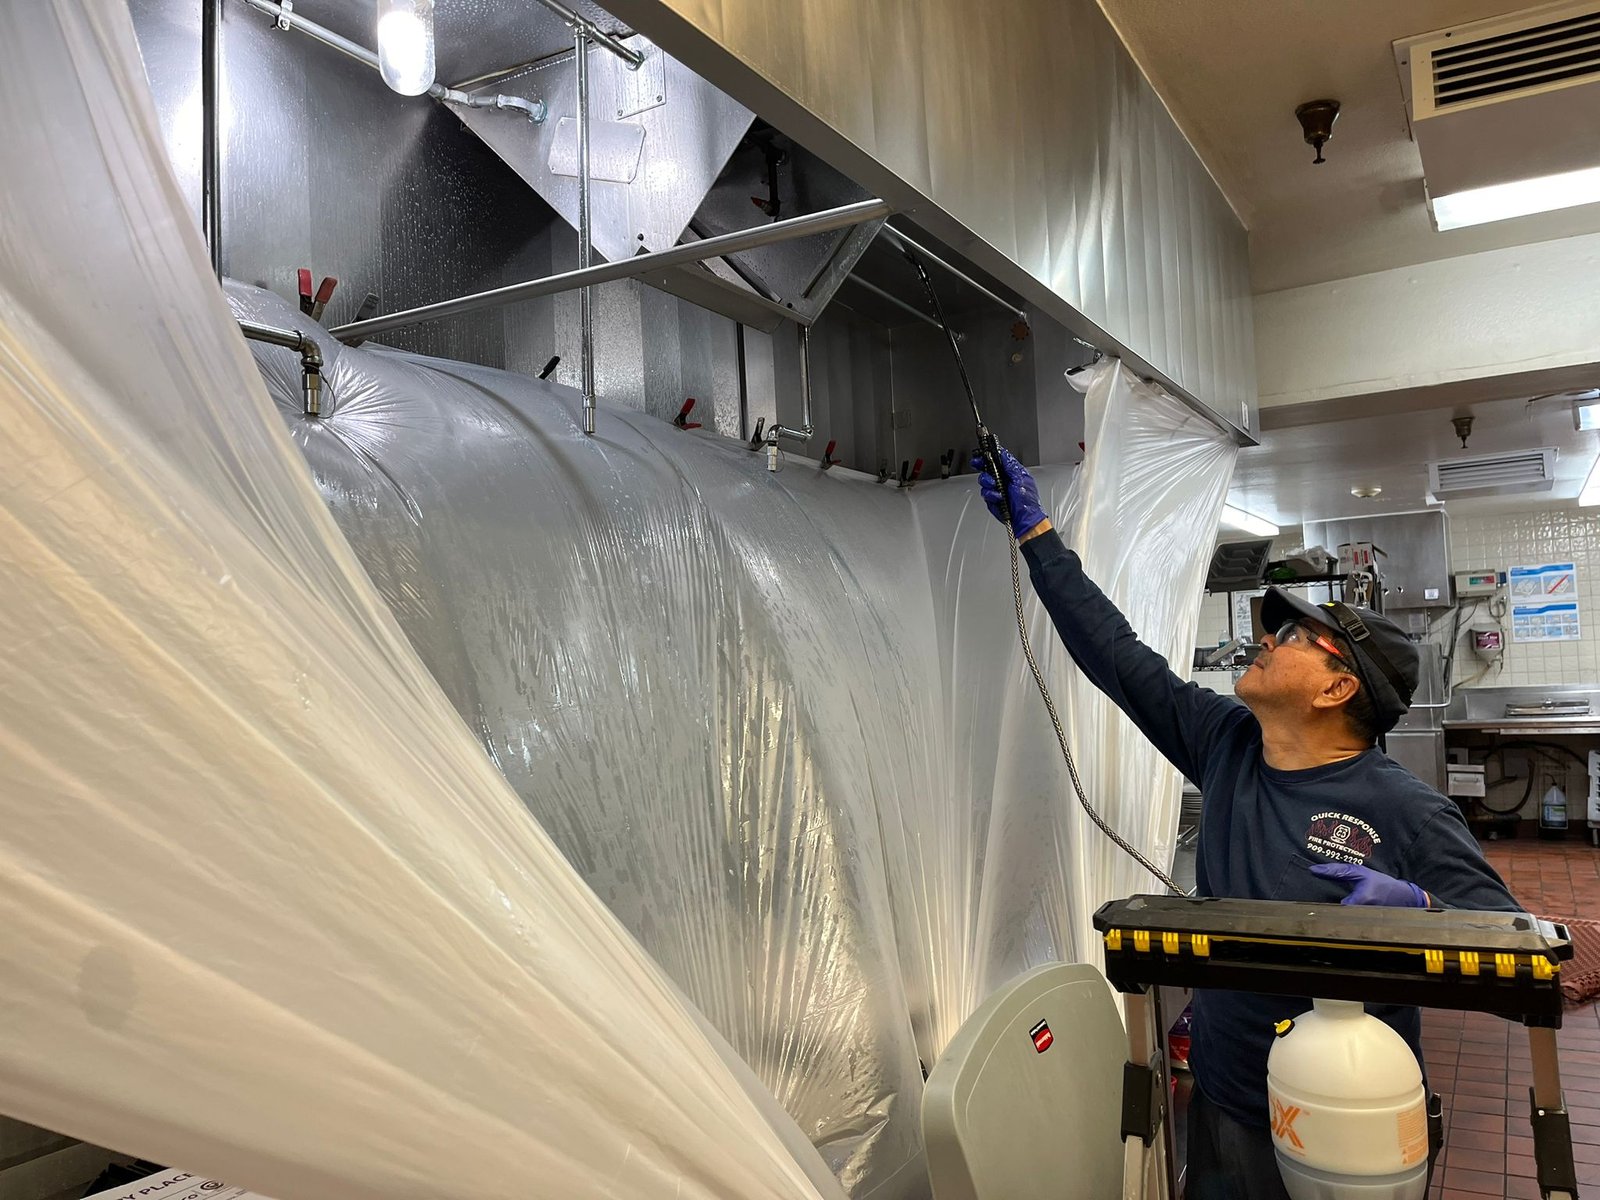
(1316, 119)
(1463, 426)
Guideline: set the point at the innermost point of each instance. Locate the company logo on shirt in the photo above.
(1341, 837)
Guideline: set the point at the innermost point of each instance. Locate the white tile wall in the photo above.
(1502, 540)
(1496, 542)
(1214, 619)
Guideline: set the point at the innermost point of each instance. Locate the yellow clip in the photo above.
(1201, 944)
(1282, 1027)
(1141, 940)
(1434, 961)
(1169, 942)
(1113, 939)
(1543, 968)
(1505, 966)
(1469, 962)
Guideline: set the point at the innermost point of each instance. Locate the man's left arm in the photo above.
(1444, 868)
(1446, 861)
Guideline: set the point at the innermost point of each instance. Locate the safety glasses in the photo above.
(1293, 633)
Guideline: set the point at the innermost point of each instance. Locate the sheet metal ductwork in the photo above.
(675, 159)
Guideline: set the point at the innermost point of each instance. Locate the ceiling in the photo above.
(1306, 472)
(1232, 85)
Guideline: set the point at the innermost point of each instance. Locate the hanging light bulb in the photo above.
(405, 45)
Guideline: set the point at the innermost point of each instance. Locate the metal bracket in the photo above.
(644, 87)
(1141, 1100)
(1552, 1150)
(282, 19)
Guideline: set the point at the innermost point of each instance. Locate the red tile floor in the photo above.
(1480, 1063)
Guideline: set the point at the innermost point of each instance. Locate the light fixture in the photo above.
(1237, 518)
(1502, 201)
(405, 45)
(1586, 413)
(1590, 495)
(1368, 492)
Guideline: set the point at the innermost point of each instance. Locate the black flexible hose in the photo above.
(989, 448)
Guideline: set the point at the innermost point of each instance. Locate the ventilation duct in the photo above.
(675, 159)
(672, 158)
(1493, 474)
(1507, 99)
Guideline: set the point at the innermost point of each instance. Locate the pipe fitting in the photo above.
(311, 361)
(535, 110)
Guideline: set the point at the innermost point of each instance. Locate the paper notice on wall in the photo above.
(1544, 603)
(175, 1185)
(1242, 621)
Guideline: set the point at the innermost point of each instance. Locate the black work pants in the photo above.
(1227, 1160)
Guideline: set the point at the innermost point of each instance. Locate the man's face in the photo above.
(1293, 673)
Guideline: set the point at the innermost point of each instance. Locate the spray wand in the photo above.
(989, 450)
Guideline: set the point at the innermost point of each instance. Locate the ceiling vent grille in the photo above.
(1520, 60)
(1493, 474)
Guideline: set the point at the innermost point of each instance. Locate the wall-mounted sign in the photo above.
(1544, 603)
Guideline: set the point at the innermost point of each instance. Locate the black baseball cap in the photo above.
(1387, 661)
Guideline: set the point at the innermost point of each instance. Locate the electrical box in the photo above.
(1464, 779)
(1478, 583)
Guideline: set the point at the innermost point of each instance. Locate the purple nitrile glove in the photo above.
(1373, 887)
(1021, 492)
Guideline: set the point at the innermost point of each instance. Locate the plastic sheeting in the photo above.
(274, 916)
(780, 722)
(269, 912)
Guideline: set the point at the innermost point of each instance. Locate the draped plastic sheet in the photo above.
(692, 671)
(780, 722)
(268, 910)
(273, 915)
(1019, 869)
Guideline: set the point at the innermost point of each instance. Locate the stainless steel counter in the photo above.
(1483, 710)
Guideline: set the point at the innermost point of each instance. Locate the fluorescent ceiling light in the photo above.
(1237, 518)
(1590, 495)
(1504, 200)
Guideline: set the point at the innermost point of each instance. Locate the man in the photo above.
(1299, 804)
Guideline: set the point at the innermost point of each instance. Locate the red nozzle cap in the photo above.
(305, 282)
(828, 453)
(916, 468)
(688, 407)
(325, 291)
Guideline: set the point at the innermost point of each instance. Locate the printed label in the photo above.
(1283, 1119)
(1412, 1129)
(175, 1185)
(1341, 837)
(1043, 1039)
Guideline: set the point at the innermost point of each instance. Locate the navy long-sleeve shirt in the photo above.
(1262, 829)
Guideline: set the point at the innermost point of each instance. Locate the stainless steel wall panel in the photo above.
(1026, 138)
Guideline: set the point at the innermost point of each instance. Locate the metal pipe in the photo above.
(626, 268)
(287, 18)
(592, 32)
(310, 359)
(806, 430)
(585, 234)
(892, 299)
(1546, 1064)
(924, 252)
(211, 129)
